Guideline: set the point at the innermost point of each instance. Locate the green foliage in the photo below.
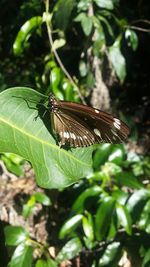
(13, 163)
(105, 206)
(24, 34)
(35, 198)
(15, 235)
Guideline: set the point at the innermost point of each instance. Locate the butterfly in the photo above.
(78, 125)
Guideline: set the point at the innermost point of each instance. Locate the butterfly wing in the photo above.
(79, 125)
(100, 126)
(71, 130)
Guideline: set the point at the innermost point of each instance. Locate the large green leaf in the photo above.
(22, 134)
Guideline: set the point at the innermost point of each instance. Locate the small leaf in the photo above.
(144, 222)
(87, 223)
(103, 217)
(116, 155)
(83, 5)
(70, 250)
(132, 39)
(128, 179)
(111, 255)
(146, 260)
(41, 263)
(42, 198)
(101, 155)
(108, 4)
(124, 218)
(106, 22)
(22, 256)
(86, 23)
(83, 68)
(118, 60)
(78, 205)
(58, 43)
(46, 263)
(70, 225)
(27, 210)
(120, 196)
(15, 235)
(136, 203)
(55, 77)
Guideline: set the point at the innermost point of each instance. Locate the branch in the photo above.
(57, 56)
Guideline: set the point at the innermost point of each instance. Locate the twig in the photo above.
(137, 28)
(141, 20)
(57, 56)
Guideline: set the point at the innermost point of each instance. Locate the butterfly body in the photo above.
(78, 125)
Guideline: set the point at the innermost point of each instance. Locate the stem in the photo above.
(137, 28)
(57, 56)
(41, 247)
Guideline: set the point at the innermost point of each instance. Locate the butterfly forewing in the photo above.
(79, 125)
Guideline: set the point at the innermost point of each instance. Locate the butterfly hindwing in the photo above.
(72, 132)
(79, 125)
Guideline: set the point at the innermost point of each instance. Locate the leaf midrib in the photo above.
(43, 142)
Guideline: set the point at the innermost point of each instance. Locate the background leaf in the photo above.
(22, 256)
(117, 60)
(24, 34)
(15, 235)
(70, 249)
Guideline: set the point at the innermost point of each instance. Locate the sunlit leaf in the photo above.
(132, 38)
(111, 255)
(15, 235)
(136, 203)
(144, 222)
(22, 256)
(42, 198)
(70, 225)
(24, 34)
(58, 43)
(124, 218)
(70, 250)
(103, 217)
